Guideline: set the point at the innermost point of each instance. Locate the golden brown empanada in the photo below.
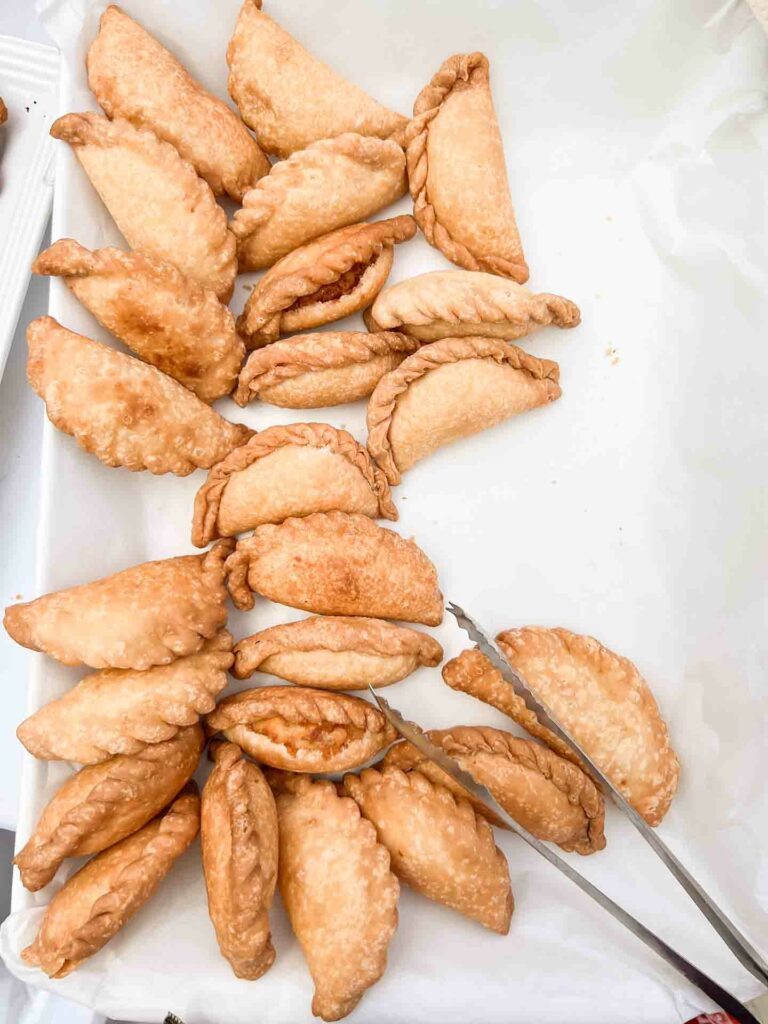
(325, 280)
(155, 197)
(146, 615)
(122, 410)
(334, 563)
(457, 173)
(3, 111)
(302, 730)
(121, 711)
(328, 185)
(133, 76)
(338, 890)
(97, 901)
(438, 844)
(454, 303)
(451, 389)
(336, 653)
(289, 471)
(238, 839)
(104, 803)
(314, 370)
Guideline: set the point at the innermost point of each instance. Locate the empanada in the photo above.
(328, 185)
(334, 563)
(336, 653)
(457, 173)
(314, 370)
(121, 711)
(302, 730)
(290, 98)
(97, 901)
(325, 280)
(133, 76)
(438, 844)
(451, 389)
(104, 803)
(155, 197)
(122, 410)
(238, 839)
(549, 796)
(289, 471)
(338, 891)
(454, 303)
(3, 111)
(146, 615)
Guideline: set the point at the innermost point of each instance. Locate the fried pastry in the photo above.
(290, 98)
(338, 891)
(3, 111)
(238, 839)
(438, 844)
(315, 370)
(325, 280)
(97, 901)
(334, 563)
(302, 730)
(143, 616)
(121, 711)
(328, 185)
(289, 471)
(104, 803)
(454, 303)
(451, 389)
(457, 173)
(336, 653)
(155, 197)
(167, 319)
(122, 410)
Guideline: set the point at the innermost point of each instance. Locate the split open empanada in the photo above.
(334, 563)
(97, 901)
(289, 471)
(146, 615)
(438, 844)
(457, 173)
(336, 653)
(454, 303)
(328, 185)
(302, 730)
(155, 197)
(238, 839)
(104, 803)
(451, 389)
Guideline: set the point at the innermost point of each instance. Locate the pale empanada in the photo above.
(289, 471)
(457, 173)
(314, 370)
(336, 653)
(104, 803)
(438, 844)
(125, 412)
(290, 98)
(302, 730)
(325, 280)
(334, 563)
(338, 890)
(326, 186)
(146, 615)
(155, 197)
(453, 303)
(451, 389)
(238, 839)
(549, 796)
(121, 711)
(133, 76)
(97, 901)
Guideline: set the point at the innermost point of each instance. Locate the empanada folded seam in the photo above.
(298, 705)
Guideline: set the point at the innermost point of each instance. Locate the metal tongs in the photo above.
(736, 942)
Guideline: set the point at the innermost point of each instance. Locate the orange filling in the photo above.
(343, 285)
(294, 737)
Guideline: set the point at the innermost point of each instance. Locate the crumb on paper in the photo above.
(19, 597)
(613, 355)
